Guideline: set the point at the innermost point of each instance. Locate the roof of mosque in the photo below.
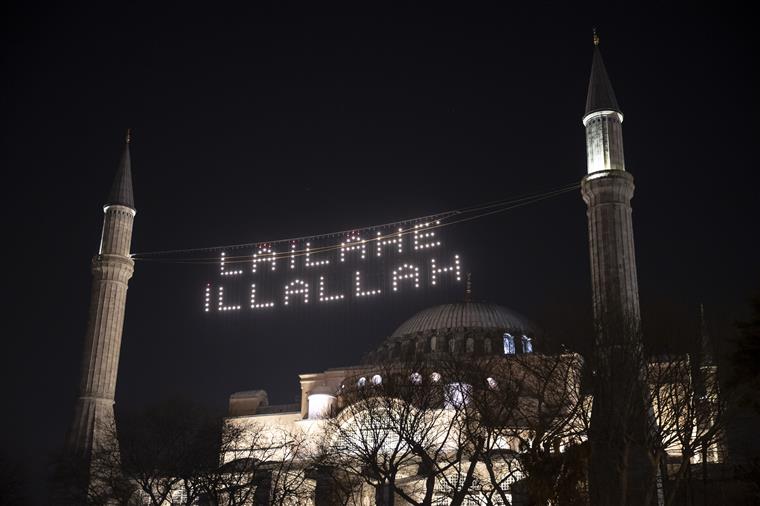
(465, 315)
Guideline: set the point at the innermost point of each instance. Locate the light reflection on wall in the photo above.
(320, 406)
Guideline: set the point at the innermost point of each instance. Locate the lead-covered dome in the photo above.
(465, 315)
(476, 328)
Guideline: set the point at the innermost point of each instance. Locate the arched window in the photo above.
(416, 378)
(470, 345)
(487, 345)
(509, 344)
(527, 344)
(362, 381)
(435, 377)
(457, 395)
(492, 384)
(377, 379)
(433, 343)
(452, 345)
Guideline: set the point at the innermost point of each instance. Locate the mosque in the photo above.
(491, 339)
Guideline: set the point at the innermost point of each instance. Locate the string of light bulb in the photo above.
(430, 222)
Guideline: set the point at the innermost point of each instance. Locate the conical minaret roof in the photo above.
(121, 190)
(706, 345)
(601, 96)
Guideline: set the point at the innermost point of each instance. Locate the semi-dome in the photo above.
(464, 315)
(466, 327)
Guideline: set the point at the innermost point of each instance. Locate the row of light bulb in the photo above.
(414, 274)
(435, 270)
(222, 307)
(353, 243)
(418, 235)
(301, 287)
(233, 272)
(416, 379)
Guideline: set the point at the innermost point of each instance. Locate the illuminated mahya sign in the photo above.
(358, 265)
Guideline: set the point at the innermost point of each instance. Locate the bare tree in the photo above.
(620, 471)
(686, 419)
(243, 474)
(745, 360)
(166, 449)
(397, 431)
(528, 415)
(290, 480)
(464, 430)
(334, 485)
(176, 453)
(94, 478)
(653, 417)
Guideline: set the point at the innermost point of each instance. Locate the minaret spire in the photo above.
(112, 268)
(600, 96)
(707, 354)
(121, 190)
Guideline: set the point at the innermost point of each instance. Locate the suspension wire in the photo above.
(432, 221)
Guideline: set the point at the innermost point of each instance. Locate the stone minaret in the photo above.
(112, 268)
(607, 190)
(618, 469)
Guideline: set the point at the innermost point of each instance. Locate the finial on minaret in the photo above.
(596, 37)
(468, 288)
(129, 135)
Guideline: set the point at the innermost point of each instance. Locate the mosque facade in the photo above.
(447, 359)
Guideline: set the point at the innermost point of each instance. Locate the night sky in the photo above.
(252, 124)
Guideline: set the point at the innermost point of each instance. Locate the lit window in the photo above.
(457, 395)
(416, 378)
(509, 344)
(435, 377)
(362, 381)
(492, 384)
(527, 344)
(377, 379)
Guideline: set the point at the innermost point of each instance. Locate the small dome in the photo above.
(465, 315)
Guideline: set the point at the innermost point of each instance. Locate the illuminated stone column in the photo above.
(613, 258)
(619, 471)
(112, 268)
(607, 191)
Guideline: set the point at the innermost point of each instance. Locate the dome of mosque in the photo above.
(465, 315)
(465, 327)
